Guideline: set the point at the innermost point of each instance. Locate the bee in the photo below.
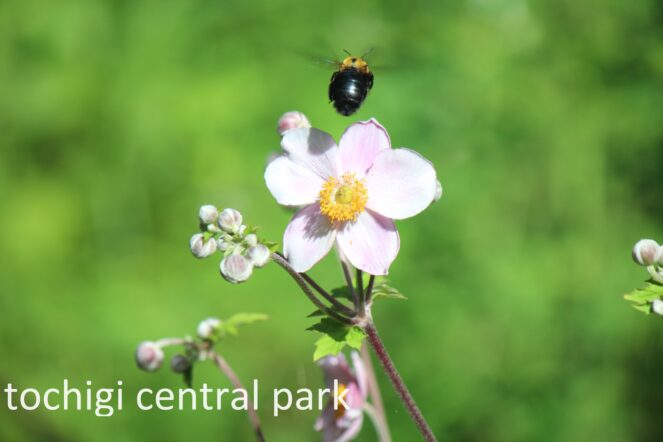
(350, 84)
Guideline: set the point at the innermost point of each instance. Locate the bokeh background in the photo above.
(118, 119)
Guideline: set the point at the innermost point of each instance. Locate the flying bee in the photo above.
(350, 84)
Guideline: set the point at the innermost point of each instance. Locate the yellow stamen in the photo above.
(343, 199)
(340, 408)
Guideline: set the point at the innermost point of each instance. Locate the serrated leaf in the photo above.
(642, 298)
(326, 346)
(232, 324)
(335, 337)
(647, 294)
(355, 337)
(383, 289)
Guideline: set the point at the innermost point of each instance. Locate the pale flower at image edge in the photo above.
(351, 193)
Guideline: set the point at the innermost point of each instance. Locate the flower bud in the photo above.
(223, 245)
(208, 214)
(646, 252)
(657, 307)
(180, 364)
(208, 327)
(438, 191)
(236, 268)
(230, 220)
(292, 120)
(258, 255)
(149, 356)
(201, 248)
(251, 239)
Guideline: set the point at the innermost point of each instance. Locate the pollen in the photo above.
(342, 199)
(339, 407)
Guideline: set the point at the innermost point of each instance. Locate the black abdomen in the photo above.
(348, 89)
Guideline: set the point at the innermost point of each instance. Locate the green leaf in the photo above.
(325, 346)
(232, 324)
(335, 337)
(642, 298)
(382, 289)
(342, 293)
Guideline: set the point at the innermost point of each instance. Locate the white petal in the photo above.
(314, 149)
(292, 184)
(360, 144)
(308, 238)
(370, 243)
(400, 184)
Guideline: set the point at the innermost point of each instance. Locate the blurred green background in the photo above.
(118, 119)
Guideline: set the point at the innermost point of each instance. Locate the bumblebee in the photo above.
(350, 84)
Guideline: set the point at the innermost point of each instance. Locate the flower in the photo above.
(208, 327)
(351, 192)
(149, 356)
(645, 252)
(657, 307)
(258, 255)
(236, 268)
(208, 214)
(292, 120)
(230, 220)
(201, 248)
(338, 423)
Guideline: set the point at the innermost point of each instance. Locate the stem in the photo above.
(397, 382)
(280, 260)
(351, 287)
(374, 389)
(344, 308)
(655, 275)
(360, 291)
(378, 422)
(369, 290)
(230, 374)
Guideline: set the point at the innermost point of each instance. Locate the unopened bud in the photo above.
(201, 248)
(208, 327)
(292, 120)
(149, 356)
(230, 220)
(251, 239)
(236, 268)
(180, 364)
(646, 252)
(657, 307)
(438, 191)
(258, 254)
(208, 214)
(223, 245)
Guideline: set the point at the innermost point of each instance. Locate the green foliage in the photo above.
(232, 324)
(335, 337)
(383, 290)
(643, 298)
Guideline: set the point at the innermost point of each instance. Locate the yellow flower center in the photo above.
(340, 408)
(343, 199)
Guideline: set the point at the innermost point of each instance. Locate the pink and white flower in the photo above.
(338, 423)
(352, 192)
